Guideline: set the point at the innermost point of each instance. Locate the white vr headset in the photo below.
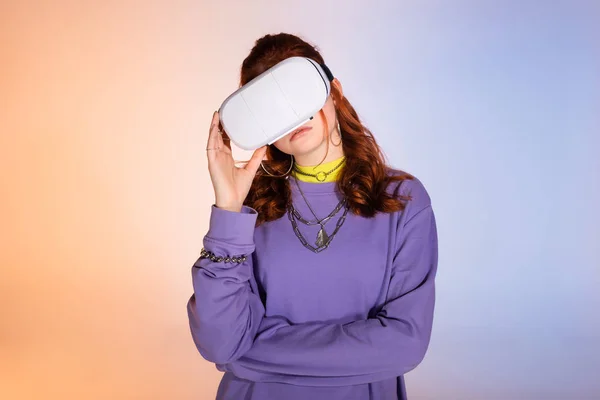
(276, 102)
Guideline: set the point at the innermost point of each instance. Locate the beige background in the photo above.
(105, 197)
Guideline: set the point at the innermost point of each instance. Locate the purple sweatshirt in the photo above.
(343, 324)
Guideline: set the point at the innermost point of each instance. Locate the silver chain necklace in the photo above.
(323, 240)
(322, 221)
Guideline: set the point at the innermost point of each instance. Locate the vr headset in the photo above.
(276, 102)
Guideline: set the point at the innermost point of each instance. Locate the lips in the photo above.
(299, 131)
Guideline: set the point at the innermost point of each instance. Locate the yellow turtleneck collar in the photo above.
(326, 167)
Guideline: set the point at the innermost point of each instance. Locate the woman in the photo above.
(316, 280)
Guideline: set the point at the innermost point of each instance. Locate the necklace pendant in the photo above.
(321, 176)
(322, 238)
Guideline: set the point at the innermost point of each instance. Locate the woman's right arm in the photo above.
(225, 309)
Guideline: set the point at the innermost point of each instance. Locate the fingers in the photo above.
(254, 162)
(225, 141)
(214, 140)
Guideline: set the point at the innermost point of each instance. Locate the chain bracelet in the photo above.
(214, 258)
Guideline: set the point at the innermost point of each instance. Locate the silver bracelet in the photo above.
(212, 257)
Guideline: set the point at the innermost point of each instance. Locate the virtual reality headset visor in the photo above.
(276, 102)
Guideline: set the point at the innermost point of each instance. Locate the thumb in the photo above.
(256, 159)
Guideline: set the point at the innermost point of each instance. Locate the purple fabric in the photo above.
(346, 323)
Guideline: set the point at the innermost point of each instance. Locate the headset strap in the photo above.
(327, 71)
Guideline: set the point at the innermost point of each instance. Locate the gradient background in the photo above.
(104, 113)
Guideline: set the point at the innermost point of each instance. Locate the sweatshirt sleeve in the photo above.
(390, 344)
(225, 309)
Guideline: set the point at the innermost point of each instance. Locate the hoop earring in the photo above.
(281, 176)
(340, 133)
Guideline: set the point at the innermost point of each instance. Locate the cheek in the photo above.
(326, 119)
(317, 123)
(329, 111)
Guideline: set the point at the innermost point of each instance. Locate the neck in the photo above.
(316, 157)
(325, 172)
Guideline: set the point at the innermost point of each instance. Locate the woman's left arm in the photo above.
(387, 345)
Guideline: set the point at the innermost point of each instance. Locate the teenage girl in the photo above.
(316, 279)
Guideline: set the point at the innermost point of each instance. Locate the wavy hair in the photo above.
(364, 178)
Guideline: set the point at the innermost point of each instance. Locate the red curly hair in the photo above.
(364, 178)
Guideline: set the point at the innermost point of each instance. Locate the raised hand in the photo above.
(231, 183)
